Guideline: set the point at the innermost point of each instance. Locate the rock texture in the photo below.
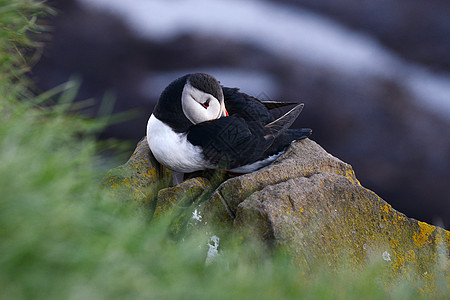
(140, 178)
(307, 201)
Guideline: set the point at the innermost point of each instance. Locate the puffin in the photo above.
(198, 124)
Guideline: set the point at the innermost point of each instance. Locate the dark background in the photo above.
(397, 143)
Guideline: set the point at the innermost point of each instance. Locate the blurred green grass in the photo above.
(61, 237)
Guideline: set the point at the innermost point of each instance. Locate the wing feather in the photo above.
(280, 125)
(227, 142)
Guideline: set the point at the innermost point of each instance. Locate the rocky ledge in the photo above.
(307, 201)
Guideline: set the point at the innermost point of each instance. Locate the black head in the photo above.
(207, 84)
(191, 99)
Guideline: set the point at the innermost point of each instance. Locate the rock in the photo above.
(181, 195)
(303, 159)
(326, 216)
(140, 178)
(178, 201)
(309, 203)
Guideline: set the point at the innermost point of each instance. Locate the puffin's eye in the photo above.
(205, 104)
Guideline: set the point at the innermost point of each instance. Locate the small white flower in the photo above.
(386, 256)
(213, 249)
(196, 216)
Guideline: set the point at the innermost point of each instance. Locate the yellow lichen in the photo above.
(386, 208)
(350, 174)
(410, 256)
(127, 182)
(443, 239)
(423, 236)
(400, 217)
(150, 173)
(399, 261)
(440, 240)
(394, 243)
(115, 185)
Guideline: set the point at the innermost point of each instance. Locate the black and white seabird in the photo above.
(198, 124)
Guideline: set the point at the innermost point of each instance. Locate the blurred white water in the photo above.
(286, 31)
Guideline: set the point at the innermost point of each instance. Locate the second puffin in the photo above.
(197, 124)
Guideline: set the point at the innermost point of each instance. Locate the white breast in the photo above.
(172, 149)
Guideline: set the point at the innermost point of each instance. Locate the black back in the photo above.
(247, 107)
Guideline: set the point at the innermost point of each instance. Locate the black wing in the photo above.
(229, 142)
(280, 125)
(249, 134)
(247, 107)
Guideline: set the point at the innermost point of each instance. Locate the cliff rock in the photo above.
(307, 201)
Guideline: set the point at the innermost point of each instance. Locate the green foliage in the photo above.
(62, 238)
(18, 21)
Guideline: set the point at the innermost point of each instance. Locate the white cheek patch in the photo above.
(191, 102)
(214, 109)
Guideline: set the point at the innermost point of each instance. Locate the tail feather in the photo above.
(284, 140)
(298, 134)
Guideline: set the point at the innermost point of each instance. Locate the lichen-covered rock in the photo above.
(140, 178)
(327, 216)
(312, 204)
(303, 159)
(307, 201)
(178, 202)
(181, 196)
